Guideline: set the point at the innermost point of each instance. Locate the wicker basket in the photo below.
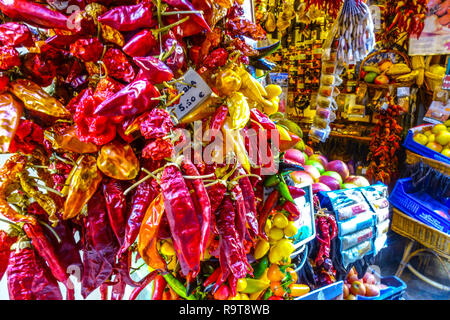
(432, 81)
(420, 232)
(406, 60)
(412, 158)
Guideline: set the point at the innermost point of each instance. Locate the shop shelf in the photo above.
(421, 150)
(334, 291)
(419, 205)
(395, 290)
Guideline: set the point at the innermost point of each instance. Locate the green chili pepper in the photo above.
(262, 265)
(267, 294)
(284, 190)
(272, 181)
(177, 286)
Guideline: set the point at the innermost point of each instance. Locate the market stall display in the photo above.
(153, 151)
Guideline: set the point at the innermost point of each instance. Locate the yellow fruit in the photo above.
(443, 138)
(427, 133)
(434, 146)
(244, 296)
(236, 297)
(255, 296)
(446, 152)
(241, 284)
(438, 128)
(276, 234)
(167, 248)
(291, 230)
(259, 73)
(280, 221)
(420, 138)
(432, 138)
(286, 247)
(274, 255)
(285, 261)
(447, 123)
(273, 90)
(284, 134)
(268, 226)
(262, 247)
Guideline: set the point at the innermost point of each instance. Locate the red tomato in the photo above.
(222, 293)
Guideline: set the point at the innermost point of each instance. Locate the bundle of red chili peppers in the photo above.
(85, 106)
(385, 143)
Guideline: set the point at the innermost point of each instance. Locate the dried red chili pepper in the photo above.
(116, 207)
(201, 194)
(217, 121)
(182, 218)
(45, 249)
(100, 245)
(27, 138)
(157, 124)
(6, 241)
(159, 284)
(232, 254)
(143, 43)
(129, 18)
(264, 212)
(158, 149)
(187, 6)
(34, 13)
(216, 59)
(250, 204)
(87, 49)
(153, 69)
(118, 66)
(244, 27)
(90, 127)
(144, 195)
(133, 99)
(9, 58)
(28, 276)
(15, 34)
(177, 60)
(118, 290)
(148, 278)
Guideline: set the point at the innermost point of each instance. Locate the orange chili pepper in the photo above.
(11, 111)
(84, 181)
(147, 243)
(118, 161)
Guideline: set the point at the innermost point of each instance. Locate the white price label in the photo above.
(196, 91)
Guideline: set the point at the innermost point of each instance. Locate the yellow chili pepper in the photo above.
(251, 86)
(239, 110)
(36, 99)
(235, 138)
(112, 35)
(228, 82)
(273, 90)
(284, 134)
(255, 285)
(84, 180)
(118, 161)
(205, 110)
(11, 111)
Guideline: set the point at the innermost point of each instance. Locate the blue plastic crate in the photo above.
(419, 206)
(334, 291)
(396, 289)
(421, 150)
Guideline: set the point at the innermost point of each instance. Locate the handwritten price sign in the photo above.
(196, 91)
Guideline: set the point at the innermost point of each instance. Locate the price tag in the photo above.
(196, 91)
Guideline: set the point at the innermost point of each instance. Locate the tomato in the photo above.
(275, 298)
(222, 293)
(358, 288)
(280, 221)
(241, 284)
(274, 273)
(298, 289)
(293, 274)
(277, 288)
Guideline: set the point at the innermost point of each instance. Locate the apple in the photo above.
(302, 178)
(348, 186)
(446, 152)
(294, 156)
(369, 278)
(318, 157)
(434, 146)
(372, 290)
(312, 171)
(359, 181)
(333, 174)
(438, 128)
(358, 288)
(316, 164)
(443, 138)
(420, 138)
(309, 151)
